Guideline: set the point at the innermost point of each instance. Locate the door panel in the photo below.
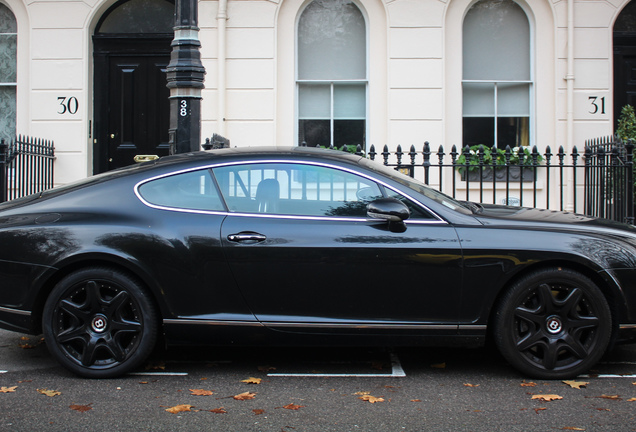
(345, 272)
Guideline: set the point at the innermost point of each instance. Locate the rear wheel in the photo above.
(99, 323)
(553, 324)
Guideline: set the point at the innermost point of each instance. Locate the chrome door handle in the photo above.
(246, 237)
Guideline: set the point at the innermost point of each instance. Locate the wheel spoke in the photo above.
(531, 340)
(73, 334)
(93, 296)
(533, 316)
(575, 347)
(74, 310)
(546, 300)
(88, 356)
(551, 354)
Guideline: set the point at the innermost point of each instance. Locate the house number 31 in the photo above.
(598, 105)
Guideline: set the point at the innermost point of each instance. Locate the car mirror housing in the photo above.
(389, 209)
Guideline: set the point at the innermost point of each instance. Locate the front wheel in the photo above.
(99, 323)
(553, 324)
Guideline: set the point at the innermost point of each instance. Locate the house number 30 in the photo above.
(183, 111)
(68, 105)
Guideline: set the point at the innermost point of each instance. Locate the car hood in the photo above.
(489, 214)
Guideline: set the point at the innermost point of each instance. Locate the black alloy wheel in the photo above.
(553, 324)
(99, 323)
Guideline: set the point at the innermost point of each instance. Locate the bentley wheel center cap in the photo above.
(554, 325)
(99, 323)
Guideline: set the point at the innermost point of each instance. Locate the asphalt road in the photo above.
(318, 389)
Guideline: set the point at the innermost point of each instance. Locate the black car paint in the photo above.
(435, 280)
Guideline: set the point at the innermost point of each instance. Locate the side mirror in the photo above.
(389, 209)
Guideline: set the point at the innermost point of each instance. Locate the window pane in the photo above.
(295, 189)
(513, 99)
(7, 20)
(479, 99)
(8, 63)
(331, 41)
(314, 133)
(349, 132)
(512, 131)
(192, 191)
(314, 101)
(478, 130)
(496, 42)
(349, 101)
(140, 16)
(7, 112)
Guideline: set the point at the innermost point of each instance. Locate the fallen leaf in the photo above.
(631, 400)
(143, 382)
(572, 428)
(362, 393)
(539, 409)
(245, 396)
(371, 399)
(612, 397)
(294, 407)
(179, 408)
(547, 397)
(258, 411)
(470, 385)
(439, 365)
(81, 408)
(416, 400)
(252, 380)
(26, 346)
(218, 411)
(576, 384)
(200, 392)
(8, 389)
(49, 393)
(528, 384)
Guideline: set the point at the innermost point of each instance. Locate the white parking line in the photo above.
(396, 372)
(3, 371)
(632, 376)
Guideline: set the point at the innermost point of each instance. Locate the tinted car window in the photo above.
(192, 191)
(417, 212)
(295, 189)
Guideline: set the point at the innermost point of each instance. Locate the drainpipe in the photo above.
(221, 18)
(569, 78)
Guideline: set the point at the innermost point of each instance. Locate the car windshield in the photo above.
(417, 186)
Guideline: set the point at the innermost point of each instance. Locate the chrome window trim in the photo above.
(438, 219)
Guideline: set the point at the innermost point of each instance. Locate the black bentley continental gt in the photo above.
(305, 246)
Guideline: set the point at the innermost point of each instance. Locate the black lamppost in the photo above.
(185, 75)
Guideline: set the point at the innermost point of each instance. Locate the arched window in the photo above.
(332, 74)
(497, 79)
(8, 72)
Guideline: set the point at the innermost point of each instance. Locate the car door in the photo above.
(305, 254)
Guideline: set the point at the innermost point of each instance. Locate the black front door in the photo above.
(132, 110)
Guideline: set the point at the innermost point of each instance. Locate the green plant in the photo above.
(626, 129)
(517, 156)
(349, 148)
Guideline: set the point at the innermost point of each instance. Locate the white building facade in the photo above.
(90, 74)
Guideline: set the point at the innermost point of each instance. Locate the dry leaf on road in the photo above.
(49, 393)
(372, 399)
(547, 397)
(201, 392)
(218, 411)
(8, 389)
(179, 408)
(576, 384)
(245, 396)
(294, 407)
(81, 408)
(252, 380)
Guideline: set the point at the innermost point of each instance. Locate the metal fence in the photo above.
(598, 182)
(26, 167)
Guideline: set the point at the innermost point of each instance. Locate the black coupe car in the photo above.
(305, 246)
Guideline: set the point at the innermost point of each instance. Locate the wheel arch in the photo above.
(49, 280)
(607, 285)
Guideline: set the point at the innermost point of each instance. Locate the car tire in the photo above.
(553, 324)
(99, 322)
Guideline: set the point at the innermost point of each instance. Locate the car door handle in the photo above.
(246, 237)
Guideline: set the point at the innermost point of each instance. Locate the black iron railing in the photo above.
(26, 167)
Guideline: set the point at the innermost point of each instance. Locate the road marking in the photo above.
(396, 372)
(1, 371)
(159, 373)
(608, 376)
